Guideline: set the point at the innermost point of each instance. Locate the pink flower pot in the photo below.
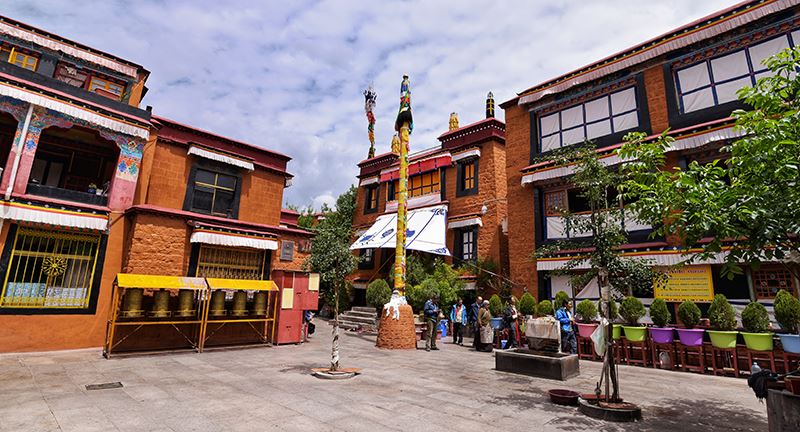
(691, 337)
(662, 334)
(586, 330)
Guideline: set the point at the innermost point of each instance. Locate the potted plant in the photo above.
(616, 329)
(632, 310)
(586, 312)
(561, 298)
(689, 314)
(755, 321)
(661, 317)
(544, 308)
(723, 321)
(787, 313)
(496, 308)
(527, 305)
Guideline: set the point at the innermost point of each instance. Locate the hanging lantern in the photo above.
(239, 303)
(217, 303)
(260, 303)
(132, 303)
(185, 303)
(160, 304)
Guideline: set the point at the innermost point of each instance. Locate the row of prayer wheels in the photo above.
(133, 300)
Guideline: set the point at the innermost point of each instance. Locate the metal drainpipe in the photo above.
(20, 145)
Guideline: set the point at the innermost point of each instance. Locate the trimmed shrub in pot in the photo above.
(723, 320)
(616, 329)
(689, 314)
(527, 304)
(561, 297)
(755, 321)
(661, 317)
(586, 312)
(378, 293)
(787, 313)
(632, 310)
(544, 308)
(496, 309)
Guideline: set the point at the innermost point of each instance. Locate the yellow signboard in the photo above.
(687, 283)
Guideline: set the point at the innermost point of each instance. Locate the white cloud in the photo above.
(288, 75)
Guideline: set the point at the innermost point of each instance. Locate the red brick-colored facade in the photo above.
(652, 71)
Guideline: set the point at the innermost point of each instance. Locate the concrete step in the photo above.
(361, 314)
(368, 309)
(356, 319)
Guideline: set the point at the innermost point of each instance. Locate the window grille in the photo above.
(767, 281)
(230, 263)
(50, 269)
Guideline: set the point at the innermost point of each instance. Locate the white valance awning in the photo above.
(53, 216)
(657, 258)
(466, 155)
(425, 231)
(74, 111)
(369, 181)
(221, 157)
(213, 237)
(465, 223)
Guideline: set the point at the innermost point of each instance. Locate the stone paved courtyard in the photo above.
(260, 389)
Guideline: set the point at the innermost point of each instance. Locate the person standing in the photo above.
(431, 312)
(485, 334)
(474, 310)
(458, 316)
(564, 316)
(511, 316)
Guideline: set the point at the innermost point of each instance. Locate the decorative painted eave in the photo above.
(707, 27)
(475, 133)
(685, 139)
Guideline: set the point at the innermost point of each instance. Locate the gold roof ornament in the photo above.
(453, 121)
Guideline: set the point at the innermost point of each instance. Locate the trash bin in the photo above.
(443, 328)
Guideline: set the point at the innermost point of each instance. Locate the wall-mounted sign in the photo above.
(287, 250)
(687, 283)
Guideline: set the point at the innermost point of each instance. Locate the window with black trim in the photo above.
(213, 189)
(467, 177)
(715, 81)
(609, 114)
(466, 246)
(418, 185)
(371, 199)
(367, 259)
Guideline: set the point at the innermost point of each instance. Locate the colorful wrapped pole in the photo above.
(370, 97)
(403, 125)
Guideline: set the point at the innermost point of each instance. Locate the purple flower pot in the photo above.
(662, 334)
(691, 337)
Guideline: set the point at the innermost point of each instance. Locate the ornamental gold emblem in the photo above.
(54, 265)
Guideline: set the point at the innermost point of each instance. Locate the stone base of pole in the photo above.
(397, 333)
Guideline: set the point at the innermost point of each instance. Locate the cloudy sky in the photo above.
(289, 75)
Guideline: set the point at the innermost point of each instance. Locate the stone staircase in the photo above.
(359, 318)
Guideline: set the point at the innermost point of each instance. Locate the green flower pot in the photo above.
(635, 334)
(723, 339)
(616, 331)
(758, 341)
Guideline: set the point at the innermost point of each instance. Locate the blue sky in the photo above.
(289, 75)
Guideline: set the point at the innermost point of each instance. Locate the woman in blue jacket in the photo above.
(458, 316)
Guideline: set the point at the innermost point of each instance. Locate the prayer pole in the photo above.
(403, 126)
(370, 98)
(396, 329)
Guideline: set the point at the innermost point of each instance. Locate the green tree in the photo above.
(659, 313)
(751, 195)
(332, 258)
(616, 275)
(721, 314)
(378, 293)
(787, 311)
(527, 304)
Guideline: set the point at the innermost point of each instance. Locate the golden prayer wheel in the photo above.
(217, 304)
(239, 303)
(132, 303)
(160, 304)
(260, 303)
(185, 303)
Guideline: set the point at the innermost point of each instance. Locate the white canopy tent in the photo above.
(425, 231)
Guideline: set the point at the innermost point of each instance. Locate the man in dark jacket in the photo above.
(474, 310)
(431, 312)
(510, 316)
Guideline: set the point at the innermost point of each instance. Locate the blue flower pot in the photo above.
(791, 343)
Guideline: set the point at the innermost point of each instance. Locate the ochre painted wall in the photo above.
(41, 332)
(158, 245)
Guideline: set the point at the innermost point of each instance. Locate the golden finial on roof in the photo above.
(453, 121)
